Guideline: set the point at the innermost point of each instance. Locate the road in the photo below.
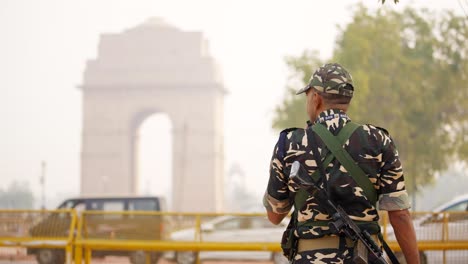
(121, 260)
(18, 256)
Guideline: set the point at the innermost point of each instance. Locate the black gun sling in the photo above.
(335, 145)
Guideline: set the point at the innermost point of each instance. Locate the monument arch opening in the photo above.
(153, 152)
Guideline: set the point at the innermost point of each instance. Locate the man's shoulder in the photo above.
(287, 136)
(385, 131)
(375, 136)
(291, 133)
(291, 129)
(375, 129)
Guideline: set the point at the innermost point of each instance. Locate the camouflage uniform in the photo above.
(371, 147)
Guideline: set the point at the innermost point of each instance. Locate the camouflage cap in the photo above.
(331, 78)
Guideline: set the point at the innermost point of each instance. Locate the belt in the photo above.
(326, 242)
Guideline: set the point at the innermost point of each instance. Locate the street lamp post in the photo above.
(415, 188)
(42, 182)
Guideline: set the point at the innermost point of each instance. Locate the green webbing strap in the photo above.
(346, 161)
(335, 145)
(344, 134)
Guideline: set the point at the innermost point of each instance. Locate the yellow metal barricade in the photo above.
(153, 233)
(442, 237)
(145, 236)
(39, 231)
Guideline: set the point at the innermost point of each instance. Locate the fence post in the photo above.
(87, 255)
(198, 237)
(147, 257)
(68, 254)
(78, 254)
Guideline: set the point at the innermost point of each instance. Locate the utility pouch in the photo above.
(360, 254)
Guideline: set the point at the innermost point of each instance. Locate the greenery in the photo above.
(16, 196)
(410, 71)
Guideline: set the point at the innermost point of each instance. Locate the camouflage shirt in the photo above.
(371, 147)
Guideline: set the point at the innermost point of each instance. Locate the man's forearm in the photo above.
(275, 218)
(405, 235)
(277, 210)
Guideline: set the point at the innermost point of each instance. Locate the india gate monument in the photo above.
(154, 68)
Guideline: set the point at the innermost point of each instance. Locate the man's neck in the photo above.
(328, 114)
(339, 107)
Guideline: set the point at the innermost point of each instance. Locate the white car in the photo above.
(431, 228)
(233, 229)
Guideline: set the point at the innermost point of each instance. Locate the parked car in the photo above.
(233, 229)
(102, 226)
(430, 227)
(457, 204)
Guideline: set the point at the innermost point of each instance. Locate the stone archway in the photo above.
(154, 68)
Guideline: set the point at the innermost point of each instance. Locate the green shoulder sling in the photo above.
(335, 145)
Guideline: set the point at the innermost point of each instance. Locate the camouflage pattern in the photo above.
(328, 255)
(371, 147)
(280, 207)
(331, 78)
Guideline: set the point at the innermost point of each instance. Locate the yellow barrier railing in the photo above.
(430, 227)
(151, 233)
(103, 231)
(441, 236)
(40, 231)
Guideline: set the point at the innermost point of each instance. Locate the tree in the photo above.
(17, 196)
(410, 75)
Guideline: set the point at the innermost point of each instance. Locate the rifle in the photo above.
(365, 247)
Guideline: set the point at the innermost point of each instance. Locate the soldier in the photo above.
(329, 93)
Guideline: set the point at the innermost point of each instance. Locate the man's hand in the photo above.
(405, 235)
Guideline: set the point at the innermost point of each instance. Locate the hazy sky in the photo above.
(46, 43)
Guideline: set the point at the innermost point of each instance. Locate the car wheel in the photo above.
(185, 257)
(279, 258)
(50, 256)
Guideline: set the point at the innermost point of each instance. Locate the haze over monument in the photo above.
(46, 44)
(151, 68)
